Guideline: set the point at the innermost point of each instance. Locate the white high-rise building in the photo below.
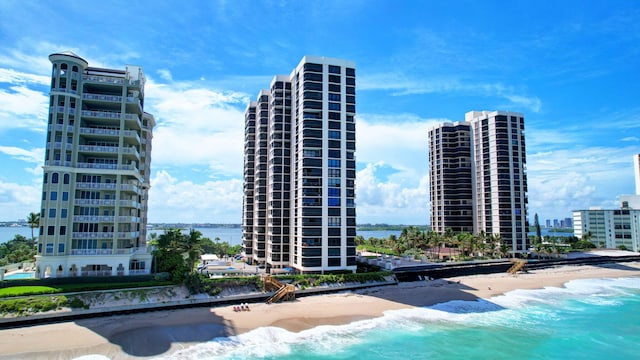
(478, 176)
(299, 199)
(96, 172)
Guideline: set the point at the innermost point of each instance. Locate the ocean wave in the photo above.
(518, 310)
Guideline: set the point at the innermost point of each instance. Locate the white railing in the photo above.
(86, 185)
(95, 202)
(91, 251)
(95, 131)
(99, 149)
(106, 166)
(103, 79)
(65, 90)
(57, 163)
(92, 235)
(112, 98)
(92, 218)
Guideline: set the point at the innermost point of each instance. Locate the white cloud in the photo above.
(390, 201)
(197, 126)
(572, 179)
(165, 74)
(32, 156)
(405, 85)
(21, 107)
(18, 200)
(171, 200)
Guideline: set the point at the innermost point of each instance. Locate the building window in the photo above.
(45, 178)
(333, 201)
(60, 248)
(65, 178)
(333, 69)
(54, 178)
(52, 213)
(54, 195)
(334, 97)
(334, 106)
(51, 230)
(49, 248)
(63, 231)
(334, 163)
(333, 191)
(334, 134)
(63, 213)
(65, 196)
(44, 195)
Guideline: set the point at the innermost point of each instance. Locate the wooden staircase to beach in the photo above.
(282, 291)
(518, 265)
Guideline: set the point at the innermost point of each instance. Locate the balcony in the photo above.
(113, 115)
(105, 219)
(92, 235)
(60, 109)
(58, 146)
(96, 252)
(130, 167)
(99, 202)
(64, 90)
(58, 163)
(60, 127)
(102, 79)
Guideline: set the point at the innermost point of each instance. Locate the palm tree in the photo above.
(192, 246)
(34, 221)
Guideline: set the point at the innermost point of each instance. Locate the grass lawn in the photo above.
(38, 290)
(27, 290)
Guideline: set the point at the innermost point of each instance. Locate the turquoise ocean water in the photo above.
(588, 319)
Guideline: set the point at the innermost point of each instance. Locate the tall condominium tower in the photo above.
(481, 163)
(299, 170)
(450, 173)
(96, 172)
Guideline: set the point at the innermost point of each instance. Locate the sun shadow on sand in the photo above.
(147, 338)
(434, 294)
(617, 266)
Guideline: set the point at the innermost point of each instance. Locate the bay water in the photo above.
(586, 319)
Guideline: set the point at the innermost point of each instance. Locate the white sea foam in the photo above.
(516, 309)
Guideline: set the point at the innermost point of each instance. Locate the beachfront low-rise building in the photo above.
(619, 228)
(96, 172)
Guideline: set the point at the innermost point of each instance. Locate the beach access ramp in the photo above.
(518, 265)
(282, 291)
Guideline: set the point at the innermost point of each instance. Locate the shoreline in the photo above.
(156, 334)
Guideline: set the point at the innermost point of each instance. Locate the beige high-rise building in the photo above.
(96, 172)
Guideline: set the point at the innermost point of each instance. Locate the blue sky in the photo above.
(572, 68)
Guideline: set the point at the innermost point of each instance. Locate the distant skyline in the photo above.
(570, 67)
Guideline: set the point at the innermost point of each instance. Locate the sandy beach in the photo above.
(154, 334)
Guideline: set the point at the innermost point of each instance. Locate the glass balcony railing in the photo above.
(102, 79)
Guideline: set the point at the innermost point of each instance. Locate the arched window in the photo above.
(74, 68)
(54, 178)
(65, 179)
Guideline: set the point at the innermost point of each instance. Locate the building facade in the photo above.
(611, 229)
(481, 163)
(299, 170)
(450, 172)
(96, 172)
